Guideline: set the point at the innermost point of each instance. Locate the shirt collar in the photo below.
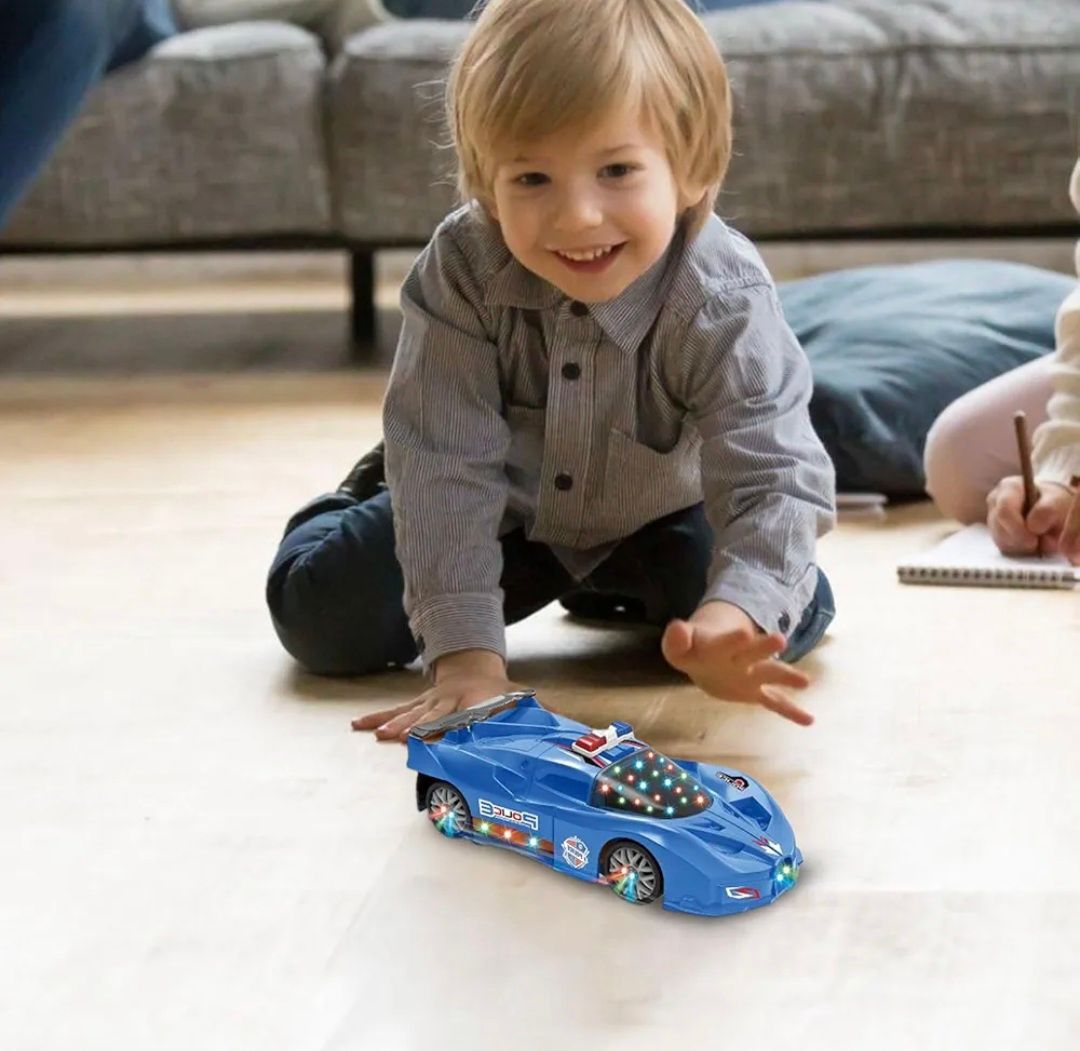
(511, 285)
(626, 319)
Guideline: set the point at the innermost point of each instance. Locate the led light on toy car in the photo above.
(787, 872)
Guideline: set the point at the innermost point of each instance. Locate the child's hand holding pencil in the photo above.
(1026, 520)
(1052, 525)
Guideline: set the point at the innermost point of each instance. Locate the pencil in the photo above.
(1031, 494)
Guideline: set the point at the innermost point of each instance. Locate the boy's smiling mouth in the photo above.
(589, 260)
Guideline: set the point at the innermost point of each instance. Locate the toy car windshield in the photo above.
(467, 716)
(650, 784)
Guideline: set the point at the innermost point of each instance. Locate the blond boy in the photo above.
(595, 397)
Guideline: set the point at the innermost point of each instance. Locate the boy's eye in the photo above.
(531, 179)
(617, 171)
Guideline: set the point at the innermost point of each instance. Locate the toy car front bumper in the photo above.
(728, 897)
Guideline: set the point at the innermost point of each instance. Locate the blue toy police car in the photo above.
(603, 806)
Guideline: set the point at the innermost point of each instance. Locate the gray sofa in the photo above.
(857, 118)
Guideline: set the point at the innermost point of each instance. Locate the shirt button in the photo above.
(571, 370)
(784, 622)
(563, 482)
(578, 309)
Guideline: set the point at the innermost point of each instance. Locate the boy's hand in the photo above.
(1044, 530)
(461, 679)
(723, 653)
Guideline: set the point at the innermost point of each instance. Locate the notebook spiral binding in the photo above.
(1015, 578)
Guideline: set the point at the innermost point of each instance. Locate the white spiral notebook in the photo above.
(971, 558)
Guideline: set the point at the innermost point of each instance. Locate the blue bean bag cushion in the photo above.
(891, 346)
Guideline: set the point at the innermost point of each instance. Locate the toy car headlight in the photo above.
(787, 872)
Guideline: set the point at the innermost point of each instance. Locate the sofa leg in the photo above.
(362, 316)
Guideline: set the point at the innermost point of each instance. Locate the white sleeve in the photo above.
(1057, 442)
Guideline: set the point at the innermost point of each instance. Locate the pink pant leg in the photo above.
(972, 444)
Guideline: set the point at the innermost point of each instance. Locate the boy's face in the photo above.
(589, 211)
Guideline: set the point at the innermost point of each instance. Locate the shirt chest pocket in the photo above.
(647, 415)
(653, 483)
(655, 434)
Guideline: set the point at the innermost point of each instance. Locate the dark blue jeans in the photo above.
(461, 8)
(335, 587)
(52, 52)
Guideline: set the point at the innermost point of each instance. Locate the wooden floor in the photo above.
(197, 853)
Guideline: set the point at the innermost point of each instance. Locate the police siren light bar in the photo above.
(593, 743)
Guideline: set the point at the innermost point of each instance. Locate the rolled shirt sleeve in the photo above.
(768, 484)
(446, 447)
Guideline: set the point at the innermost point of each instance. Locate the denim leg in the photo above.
(139, 24)
(532, 577)
(336, 588)
(817, 616)
(429, 8)
(51, 53)
(654, 575)
(462, 8)
(660, 573)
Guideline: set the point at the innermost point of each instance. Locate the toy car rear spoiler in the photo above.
(467, 716)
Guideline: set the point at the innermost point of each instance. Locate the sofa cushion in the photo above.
(214, 134)
(391, 168)
(891, 346)
(878, 115)
(860, 116)
(333, 20)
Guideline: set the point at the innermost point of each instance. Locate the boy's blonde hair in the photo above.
(533, 68)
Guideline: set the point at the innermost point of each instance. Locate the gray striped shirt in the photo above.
(511, 406)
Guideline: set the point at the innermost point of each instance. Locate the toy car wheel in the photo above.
(447, 808)
(632, 872)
